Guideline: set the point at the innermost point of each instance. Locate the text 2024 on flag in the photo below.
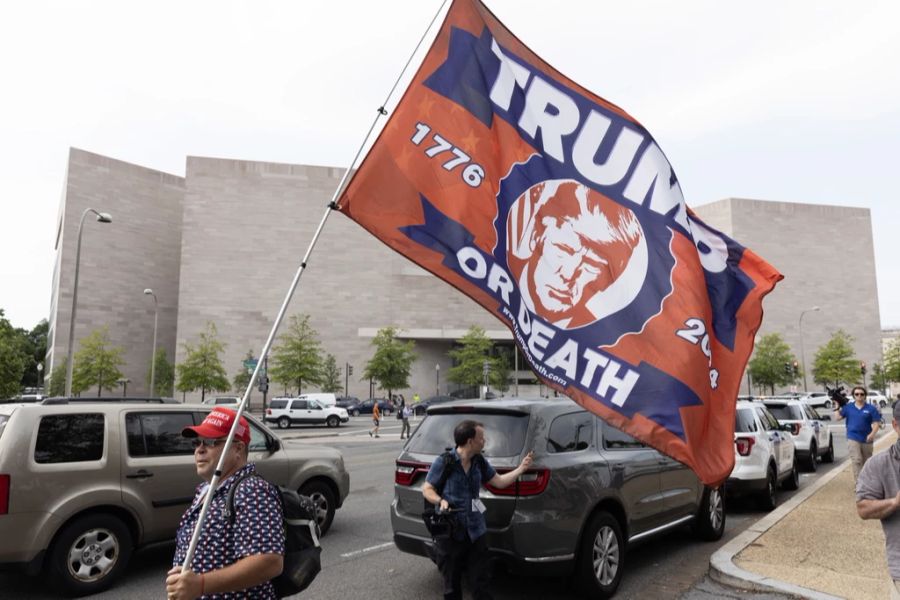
(556, 211)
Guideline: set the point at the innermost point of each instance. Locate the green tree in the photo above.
(12, 360)
(892, 361)
(835, 362)
(55, 383)
(767, 367)
(242, 378)
(202, 367)
(469, 358)
(165, 375)
(879, 381)
(97, 363)
(33, 345)
(391, 363)
(298, 358)
(331, 375)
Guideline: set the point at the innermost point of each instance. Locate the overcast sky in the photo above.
(789, 101)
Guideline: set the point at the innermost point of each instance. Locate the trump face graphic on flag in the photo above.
(577, 255)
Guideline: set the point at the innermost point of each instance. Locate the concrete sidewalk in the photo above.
(813, 546)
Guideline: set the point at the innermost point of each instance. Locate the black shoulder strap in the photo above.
(449, 461)
(229, 504)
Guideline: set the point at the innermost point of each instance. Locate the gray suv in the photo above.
(592, 490)
(84, 483)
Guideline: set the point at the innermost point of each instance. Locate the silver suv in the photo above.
(84, 483)
(591, 492)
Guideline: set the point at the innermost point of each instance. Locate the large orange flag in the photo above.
(557, 212)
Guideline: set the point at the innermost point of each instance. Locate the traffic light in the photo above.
(862, 367)
(796, 368)
(349, 369)
(787, 368)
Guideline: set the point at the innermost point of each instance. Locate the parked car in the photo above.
(765, 455)
(365, 407)
(226, 401)
(421, 407)
(876, 398)
(812, 439)
(591, 491)
(347, 402)
(300, 411)
(82, 484)
(819, 401)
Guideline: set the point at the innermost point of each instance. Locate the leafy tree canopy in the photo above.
(12, 360)
(331, 375)
(298, 357)
(469, 358)
(892, 361)
(165, 375)
(242, 377)
(836, 362)
(55, 384)
(392, 361)
(767, 367)
(202, 367)
(97, 363)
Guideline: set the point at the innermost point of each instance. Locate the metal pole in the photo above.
(346, 377)
(214, 482)
(103, 219)
(516, 354)
(153, 354)
(802, 353)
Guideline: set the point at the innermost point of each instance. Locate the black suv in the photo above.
(591, 491)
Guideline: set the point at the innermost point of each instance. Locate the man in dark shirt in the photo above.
(235, 558)
(466, 548)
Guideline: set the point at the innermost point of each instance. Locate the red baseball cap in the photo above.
(217, 424)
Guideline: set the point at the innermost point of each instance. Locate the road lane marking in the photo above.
(369, 549)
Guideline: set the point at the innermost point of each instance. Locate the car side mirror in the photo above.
(273, 445)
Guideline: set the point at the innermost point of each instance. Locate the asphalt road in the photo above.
(361, 562)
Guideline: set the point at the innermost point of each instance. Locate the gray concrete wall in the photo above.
(140, 249)
(828, 260)
(246, 228)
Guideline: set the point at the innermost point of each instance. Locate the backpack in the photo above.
(302, 560)
(442, 524)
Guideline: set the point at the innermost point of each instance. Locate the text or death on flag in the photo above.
(557, 212)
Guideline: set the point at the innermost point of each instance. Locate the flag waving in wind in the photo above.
(557, 212)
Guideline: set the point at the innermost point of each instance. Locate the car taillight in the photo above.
(407, 471)
(795, 428)
(530, 483)
(744, 445)
(268, 411)
(4, 494)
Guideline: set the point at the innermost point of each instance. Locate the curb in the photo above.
(721, 565)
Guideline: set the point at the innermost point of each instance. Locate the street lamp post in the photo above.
(40, 369)
(102, 218)
(437, 380)
(124, 383)
(149, 292)
(802, 353)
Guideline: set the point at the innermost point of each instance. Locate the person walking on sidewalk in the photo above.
(405, 414)
(863, 421)
(878, 497)
(376, 419)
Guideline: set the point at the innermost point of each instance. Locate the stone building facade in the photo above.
(223, 243)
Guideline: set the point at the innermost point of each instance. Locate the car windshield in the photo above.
(744, 421)
(786, 412)
(504, 434)
(278, 404)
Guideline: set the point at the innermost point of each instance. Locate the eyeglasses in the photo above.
(860, 394)
(197, 442)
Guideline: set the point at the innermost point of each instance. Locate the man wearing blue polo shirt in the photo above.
(863, 421)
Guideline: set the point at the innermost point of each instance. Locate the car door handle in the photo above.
(142, 474)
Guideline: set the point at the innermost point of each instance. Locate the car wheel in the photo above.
(323, 498)
(767, 499)
(284, 423)
(333, 421)
(602, 556)
(354, 412)
(813, 462)
(89, 554)
(709, 524)
(793, 479)
(828, 457)
(829, 404)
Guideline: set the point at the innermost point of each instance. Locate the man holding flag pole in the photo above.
(557, 212)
